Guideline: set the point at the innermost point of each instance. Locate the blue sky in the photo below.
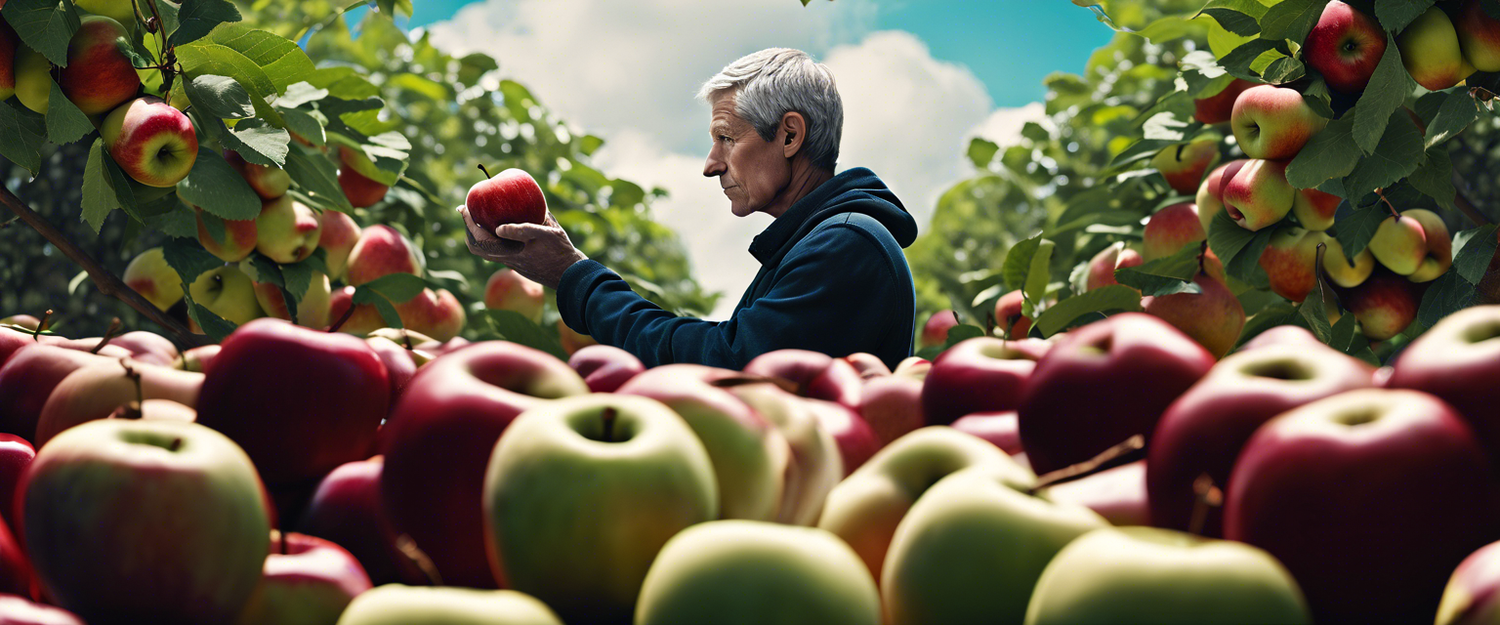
(1010, 45)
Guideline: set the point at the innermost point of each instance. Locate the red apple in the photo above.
(999, 428)
(508, 290)
(148, 347)
(1344, 46)
(1478, 37)
(439, 439)
(1385, 304)
(16, 454)
(1210, 199)
(382, 250)
(364, 320)
(571, 340)
(510, 197)
(1203, 431)
(815, 375)
(1103, 265)
(605, 368)
(1273, 122)
(892, 405)
(1118, 494)
(437, 314)
(400, 363)
(94, 391)
(1216, 109)
(1184, 165)
(1009, 321)
(346, 509)
(287, 231)
(306, 580)
(268, 181)
(27, 379)
(1213, 317)
(98, 77)
(856, 441)
(358, 186)
(1171, 229)
(866, 364)
(296, 422)
(1283, 335)
(1421, 476)
(1473, 589)
(8, 43)
(982, 374)
(1458, 360)
(1133, 366)
(154, 143)
(16, 574)
(935, 331)
(337, 238)
(1258, 194)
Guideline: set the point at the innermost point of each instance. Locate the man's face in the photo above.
(752, 171)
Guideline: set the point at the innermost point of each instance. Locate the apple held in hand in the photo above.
(971, 549)
(508, 290)
(582, 493)
(269, 182)
(98, 77)
(1344, 46)
(306, 581)
(1423, 477)
(395, 604)
(382, 250)
(509, 197)
(1431, 51)
(1217, 108)
(1272, 122)
(756, 572)
(1184, 165)
(154, 143)
(151, 276)
(1149, 575)
(109, 500)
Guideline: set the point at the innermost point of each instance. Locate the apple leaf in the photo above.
(1233, 21)
(1115, 297)
(1315, 315)
(1342, 334)
(307, 124)
(1329, 154)
(1435, 177)
(216, 327)
(216, 188)
(1284, 70)
(219, 96)
(1458, 110)
(1355, 231)
(1040, 271)
(195, 18)
(213, 225)
(1318, 98)
(1291, 19)
(1017, 265)
(516, 328)
(65, 123)
(366, 295)
(1239, 61)
(168, 11)
(1397, 156)
(1170, 28)
(1446, 295)
(300, 93)
(178, 222)
(1164, 276)
(22, 135)
(316, 178)
(1385, 95)
(45, 25)
(1278, 314)
(1395, 15)
(398, 287)
(98, 198)
(188, 258)
(1472, 251)
(256, 142)
(297, 278)
(1238, 248)
(281, 61)
(981, 152)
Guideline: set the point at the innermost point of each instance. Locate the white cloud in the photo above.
(627, 71)
(1004, 125)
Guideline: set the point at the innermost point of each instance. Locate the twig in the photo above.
(1461, 199)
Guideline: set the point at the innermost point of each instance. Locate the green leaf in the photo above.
(22, 135)
(1017, 265)
(1343, 334)
(1284, 70)
(1446, 295)
(1229, 241)
(169, 11)
(204, 57)
(398, 287)
(297, 277)
(1115, 297)
(257, 142)
(65, 123)
(1355, 231)
(196, 18)
(1395, 15)
(1385, 94)
(1472, 251)
(280, 60)
(1040, 272)
(516, 328)
(1398, 154)
(588, 144)
(1435, 177)
(216, 188)
(1329, 154)
(216, 327)
(307, 124)
(45, 25)
(364, 294)
(1239, 61)
(1234, 21)
(1318, 98)
(1314, 312)
(982, 152)
(188, 258)
(1291, 19)
(220, 96)
(1456, 113)
(98, 198)
(1164, 276)
(300, 93)
(214, 225)
(317, 178)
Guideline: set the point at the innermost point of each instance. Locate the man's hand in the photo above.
(538, 252)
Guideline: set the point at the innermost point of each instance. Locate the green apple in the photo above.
(1439, 256)
(815, 467)
(971, 549)
(582, 492)
(1400, 244)
(754, 572)
(147, 521)
(396, 604)
(154, 143)
(1340, 270)
(1149, 575)
(288, 230)
(268, 181)
(866, 507)
(1210, 198)
(1273, 122)
(1431, 52)
(312, 308)
(1315, 209)
(228, 293)
(98, 76)
(122, 11)
(151, 276)
(33, 75)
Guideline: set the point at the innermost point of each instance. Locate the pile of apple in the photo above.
(1116, 473)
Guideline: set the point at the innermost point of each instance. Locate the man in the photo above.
(832, 278)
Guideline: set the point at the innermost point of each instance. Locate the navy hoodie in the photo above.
(832, 280)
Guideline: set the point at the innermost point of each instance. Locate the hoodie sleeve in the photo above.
(835, 292)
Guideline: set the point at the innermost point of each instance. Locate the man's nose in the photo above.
(713, 166)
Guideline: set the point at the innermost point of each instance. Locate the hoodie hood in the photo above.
(857, 190)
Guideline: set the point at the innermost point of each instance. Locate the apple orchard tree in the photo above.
(416, 120)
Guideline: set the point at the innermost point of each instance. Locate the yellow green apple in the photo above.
(151, 276)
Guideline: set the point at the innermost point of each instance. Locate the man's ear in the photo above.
(794, 129)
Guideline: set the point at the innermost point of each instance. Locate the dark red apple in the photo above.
(892, 406)
(856, 441)
(815, 375)
(1458, 360)
(1118, 494)
(999, 428)
(27, 379)
(16, 454)
(306, 580)
(866, 364)
(346, 509)
(509, 197)
(982, 374)
(1216, 109)
(605, 368)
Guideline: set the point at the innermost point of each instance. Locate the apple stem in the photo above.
(408, 548)
(343, 319)
(989, 325)
(609, 416)
(486, 171)
(114, 326)
(281, 536)
(133, 411)
(1205, 496)
(1203, 256)
(176, 444)
(1394, 213)
(1129, 451)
